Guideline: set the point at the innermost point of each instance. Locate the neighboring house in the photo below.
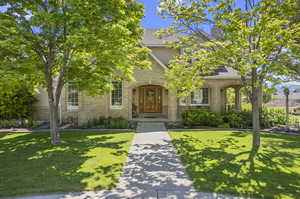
(279, 99)
(147, 97)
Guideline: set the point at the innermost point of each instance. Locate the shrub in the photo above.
(18, 123)
(16, 103)
(202, 117)
(269, 117)
(224, 125)
(115, 123)
(238, 119)
(108, 123)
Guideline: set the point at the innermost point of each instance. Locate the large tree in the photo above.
(256, 38)
(89, 43)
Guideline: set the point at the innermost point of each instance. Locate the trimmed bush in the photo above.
(269, 117)
(202, 118)
(238, 119)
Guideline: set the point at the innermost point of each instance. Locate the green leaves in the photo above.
(90, 42)
(260, 36)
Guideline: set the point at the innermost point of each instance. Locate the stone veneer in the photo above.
(94, 107)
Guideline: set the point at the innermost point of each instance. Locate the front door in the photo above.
(150, 99)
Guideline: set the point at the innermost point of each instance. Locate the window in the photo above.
(200, 97)
(116, 95)
(72, 97)
(183, 101)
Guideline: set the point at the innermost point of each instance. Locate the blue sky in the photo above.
(154, 21)
(151, 19)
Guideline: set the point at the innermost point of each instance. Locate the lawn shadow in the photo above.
(228, 166)
(30, 164)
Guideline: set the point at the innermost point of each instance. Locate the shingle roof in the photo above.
(151, 39)
(224, 73)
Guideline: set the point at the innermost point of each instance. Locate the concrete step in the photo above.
(145, 127)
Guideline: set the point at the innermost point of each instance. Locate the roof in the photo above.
(224, 73)
(150, 39)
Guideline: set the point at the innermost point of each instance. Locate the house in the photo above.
(147, 96)
(279, 99)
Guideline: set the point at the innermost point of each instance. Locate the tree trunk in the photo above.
(256, 107)
(53, 106)
(255, 123)
(54, 123)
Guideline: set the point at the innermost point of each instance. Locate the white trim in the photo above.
(110, 99)
(158, 61)
(199, 105)
(186, 101)
(116, 107)
(189, 99)
(71, 108)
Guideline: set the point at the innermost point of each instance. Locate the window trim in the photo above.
(72, 108)
(122, 98)
(189, 100)
(186, 102)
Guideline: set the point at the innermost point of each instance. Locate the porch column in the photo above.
(129, 103)
(237, 98)
(172, 106)
(215, 102)
(223, 99)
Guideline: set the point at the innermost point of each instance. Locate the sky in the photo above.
(151, 19)
(154, 21)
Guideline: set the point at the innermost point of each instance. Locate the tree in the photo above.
(267, 93)
(294, 66)
(256, 38)
(88, 43)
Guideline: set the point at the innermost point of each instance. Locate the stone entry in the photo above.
(152, 98)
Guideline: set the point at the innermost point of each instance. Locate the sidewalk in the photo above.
(153, 170)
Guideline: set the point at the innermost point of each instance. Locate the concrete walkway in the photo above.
(153, 170)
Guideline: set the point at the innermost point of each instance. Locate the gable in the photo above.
(154, 74)
(155, 58)
(164, 54)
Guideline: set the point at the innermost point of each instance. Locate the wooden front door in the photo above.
(150, 99)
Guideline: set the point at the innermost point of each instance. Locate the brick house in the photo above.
(146, 97)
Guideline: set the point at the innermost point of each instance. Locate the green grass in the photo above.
(222, 161)
(29, 164)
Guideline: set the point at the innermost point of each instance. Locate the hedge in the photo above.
(269, 117)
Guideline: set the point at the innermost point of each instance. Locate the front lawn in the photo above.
(87, 161)
(222, 161)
